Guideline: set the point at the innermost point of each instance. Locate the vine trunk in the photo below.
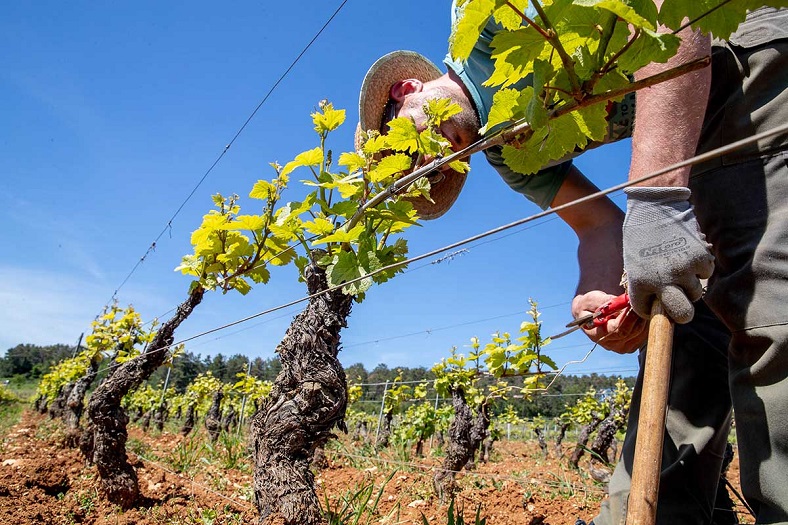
(108, 420)
(308, 400)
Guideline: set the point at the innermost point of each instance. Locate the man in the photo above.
(741, 201)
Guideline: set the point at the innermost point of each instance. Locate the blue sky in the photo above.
(112, 114)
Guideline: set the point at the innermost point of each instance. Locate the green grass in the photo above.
(357, 506)
(10, 414)
(22, 387)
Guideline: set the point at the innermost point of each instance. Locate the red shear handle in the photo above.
(607, 310)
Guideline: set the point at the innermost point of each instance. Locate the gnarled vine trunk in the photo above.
(582, 439)
(559, 439)
(487, 447)
(540, 438)
(479, 432)
(75, 403)
(160, 415)
(600, 467)
(188, 424)
(108, 420)
(308, 400)
(229, 420)
(385, 431)
(57, 409)
(41, 404)
(460, 448)
(213, 419)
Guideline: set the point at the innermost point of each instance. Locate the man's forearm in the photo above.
(670, 115)
(597, 224)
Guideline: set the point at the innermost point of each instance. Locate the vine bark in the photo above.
(108, 420)
(308, 400)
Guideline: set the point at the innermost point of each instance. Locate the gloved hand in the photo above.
(665, 253)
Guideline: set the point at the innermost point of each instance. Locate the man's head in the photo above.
(398, 85)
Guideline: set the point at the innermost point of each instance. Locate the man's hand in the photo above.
(665, 254)
(623, 334)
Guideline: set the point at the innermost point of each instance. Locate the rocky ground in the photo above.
(188, 481)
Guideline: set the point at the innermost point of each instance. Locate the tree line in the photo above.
(30, 362)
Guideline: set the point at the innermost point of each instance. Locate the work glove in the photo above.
(665, 253)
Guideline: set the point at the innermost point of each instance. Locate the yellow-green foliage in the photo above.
(7, 397)
(66, 371)
(144, 398)
(115, 331)
(254, 389)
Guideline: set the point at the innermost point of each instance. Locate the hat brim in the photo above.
(375, 92)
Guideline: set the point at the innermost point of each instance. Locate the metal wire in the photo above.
(688, 162)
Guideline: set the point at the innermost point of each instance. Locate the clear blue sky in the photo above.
(112, 114)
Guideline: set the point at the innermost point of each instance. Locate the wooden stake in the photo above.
(642, 507)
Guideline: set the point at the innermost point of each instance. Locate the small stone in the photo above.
(417, 503)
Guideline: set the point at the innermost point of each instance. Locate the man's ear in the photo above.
(405, 87)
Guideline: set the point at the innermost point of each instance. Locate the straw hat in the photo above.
(375, 90)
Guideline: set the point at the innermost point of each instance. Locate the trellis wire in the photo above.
(688, 162)
(168, 226)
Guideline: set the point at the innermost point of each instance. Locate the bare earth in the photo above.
(44, 482)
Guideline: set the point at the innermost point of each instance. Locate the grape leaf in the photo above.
(721, 22)
(625, 11)
(312, 157)
(649, 47)
(352, 161)
(503, 108)
(440, 109)
(245, 222)
(470, 24)
(262, 189)
(329, 120)
(388, 166)
(508, 17)
(342, 236)
(559, 137)
(513, 53)
(320, 226)
(402, 135)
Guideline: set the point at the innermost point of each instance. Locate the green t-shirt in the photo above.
(542, 186)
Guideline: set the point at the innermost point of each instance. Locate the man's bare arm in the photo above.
(597, 224)
(670, 114)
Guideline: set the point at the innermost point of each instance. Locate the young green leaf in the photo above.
(473, 17)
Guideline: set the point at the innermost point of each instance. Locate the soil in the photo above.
(189, 481)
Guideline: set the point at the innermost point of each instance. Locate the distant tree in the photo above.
(32, 361)
(357, 373)
(237, 364)
(266, 369)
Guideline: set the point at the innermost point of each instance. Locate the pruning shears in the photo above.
(600, 317)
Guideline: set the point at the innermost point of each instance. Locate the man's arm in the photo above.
(670, 115)
(597, 224)
(665, 254)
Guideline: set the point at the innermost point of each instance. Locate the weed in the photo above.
(357, 506)
(138, 447)
(403, 451)
(233, 451)
(456, 516)
(185, 455)
(50, 431)
(357, 458)
(86, 501)
(563, 484)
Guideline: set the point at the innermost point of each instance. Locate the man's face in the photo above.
(461, 130)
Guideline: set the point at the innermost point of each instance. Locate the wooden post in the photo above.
(642, 507)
